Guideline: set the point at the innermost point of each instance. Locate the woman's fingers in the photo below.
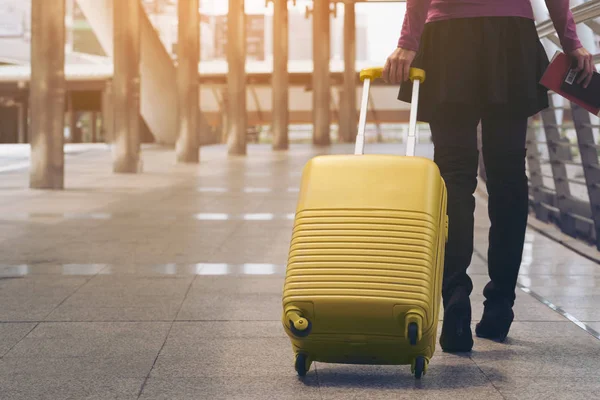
(580, 62)
(405, 70)
(585, 76)
(581, 67)
(397, 66)
(398, 73)
(590, 71)
(393, 67)
(585, 65)
(386, 71)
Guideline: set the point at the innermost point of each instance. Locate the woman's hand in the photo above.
(397, 66)
(585, 63)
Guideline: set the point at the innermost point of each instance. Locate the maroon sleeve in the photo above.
(414, 22)
(562, 18)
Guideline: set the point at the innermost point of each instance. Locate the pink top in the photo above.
(418, 12)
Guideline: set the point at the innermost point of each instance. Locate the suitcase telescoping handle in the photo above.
(417, 76)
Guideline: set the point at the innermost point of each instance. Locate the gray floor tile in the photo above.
(574, 302)
(562, 269)
(239, 255)
(164, 310)
(151, 270)
(84, 367)
(537, 349)
(27, 387)
(183, 331)
(92, 339)
(532, 338)
(236, 285)
(528, 308)
(593, 325)
(136, 286)
(125, 298)
(233, 388)
(259, 237)
(33, 298)
(208, 357)
(83, 270)
(550, 388)
(232, 307)
(11, 334)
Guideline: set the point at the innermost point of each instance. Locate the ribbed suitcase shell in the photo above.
(367, 253)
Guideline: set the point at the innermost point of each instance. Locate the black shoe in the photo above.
(495, 323)
(456, 334)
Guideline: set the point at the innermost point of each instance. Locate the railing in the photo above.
(562, 159)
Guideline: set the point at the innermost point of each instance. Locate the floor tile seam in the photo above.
(559, 310)
(143, 386)
(19, 341)
(487, 378)
(185, 296)
(72, 294)
(147, 377)
(225, 241)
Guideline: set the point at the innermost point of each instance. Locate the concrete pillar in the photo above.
(280, 82)
(76, 134)
(23, 122)
(94, 126)
(47, 94)
(188, 56)
(107, 113)
(321, 80)
(348, 124)
(126, 86)
(236, 78)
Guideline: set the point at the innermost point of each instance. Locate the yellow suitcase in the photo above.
(364, 274)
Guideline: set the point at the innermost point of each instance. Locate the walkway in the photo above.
(167, 285)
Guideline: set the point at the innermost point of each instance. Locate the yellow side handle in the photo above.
(377, 72)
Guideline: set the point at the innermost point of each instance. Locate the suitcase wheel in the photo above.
(419, 367)
(302, 364)
(413, 333)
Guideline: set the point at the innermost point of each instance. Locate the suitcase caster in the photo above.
(302, 364)
(419, 367)
(413, 333)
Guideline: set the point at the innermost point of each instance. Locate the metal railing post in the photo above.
(559, 172)
(536, 180)
(589, 161)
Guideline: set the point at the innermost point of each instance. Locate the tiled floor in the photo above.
(167, 285)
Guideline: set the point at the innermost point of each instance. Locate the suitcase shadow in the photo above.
(440, 376)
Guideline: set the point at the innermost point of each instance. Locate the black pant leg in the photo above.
(454, 133)
(504, 156)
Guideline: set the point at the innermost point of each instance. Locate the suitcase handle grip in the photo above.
(414, 74)
(367, 75)
(371, 73)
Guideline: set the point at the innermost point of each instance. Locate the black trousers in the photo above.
(454, 134)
